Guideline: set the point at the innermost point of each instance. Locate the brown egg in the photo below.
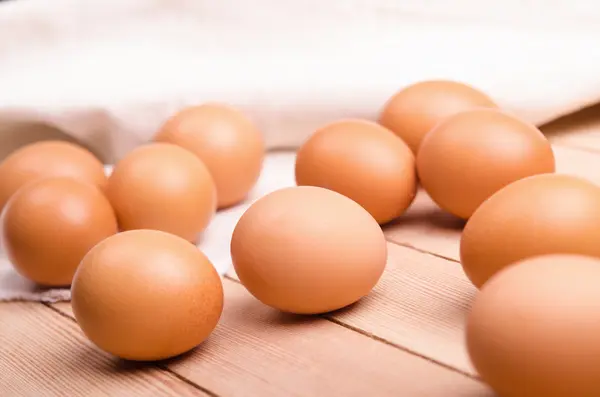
(308, 250)
(226, 141)
(543, 214)
(147, 295)
(471, 155)
(48, 159)
(362, 161)
(50, 224)
(533, 329)
(416, 109)
(164, 187)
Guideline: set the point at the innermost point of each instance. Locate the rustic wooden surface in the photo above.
(405, 339)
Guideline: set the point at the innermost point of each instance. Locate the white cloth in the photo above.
(278, 172)
(108, 73)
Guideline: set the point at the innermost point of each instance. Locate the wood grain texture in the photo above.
(257, 351)
(42, 353)
(419, 305)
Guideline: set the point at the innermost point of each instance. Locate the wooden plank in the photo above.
(65, 308)
(419, 305)
(581, 129)
(43, 353)
(425, 227)
(257, 351)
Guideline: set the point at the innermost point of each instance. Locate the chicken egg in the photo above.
(164, 187)
(308, 250)
(363, 161)
(228, 143)
(48, 159)
(50, 224)
(533, 328)
(416, 109)
(542, 214)
(146, 295)
(471, 155)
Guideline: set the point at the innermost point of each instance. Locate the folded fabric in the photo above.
(109, 73)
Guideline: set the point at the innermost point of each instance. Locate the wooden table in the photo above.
(406, 339)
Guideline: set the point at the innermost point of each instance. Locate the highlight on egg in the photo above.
(533, 328)
(539, 215)
(227, 142)
(146, 295)
(49, 225)
(413, 111)
(363, 161)
(308, 250)
(469, 156)
(164, 187)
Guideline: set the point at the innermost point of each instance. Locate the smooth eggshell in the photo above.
(471, 155)
(416, 109)
(147, 295)
(308, 250)
(363, 161)
(49, 225)
(542, 214)
(533, 328)
(48, 159)
(164, 187)
(228, 143)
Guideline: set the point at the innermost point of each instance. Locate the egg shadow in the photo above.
(200, 238)
(424, 211)
(118, 366)
(88, 355)
(362, 304)
(269, 316)
(121, 365)
(432, 216)
(202, 349)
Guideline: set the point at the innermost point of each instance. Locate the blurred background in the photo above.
(108, 73)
